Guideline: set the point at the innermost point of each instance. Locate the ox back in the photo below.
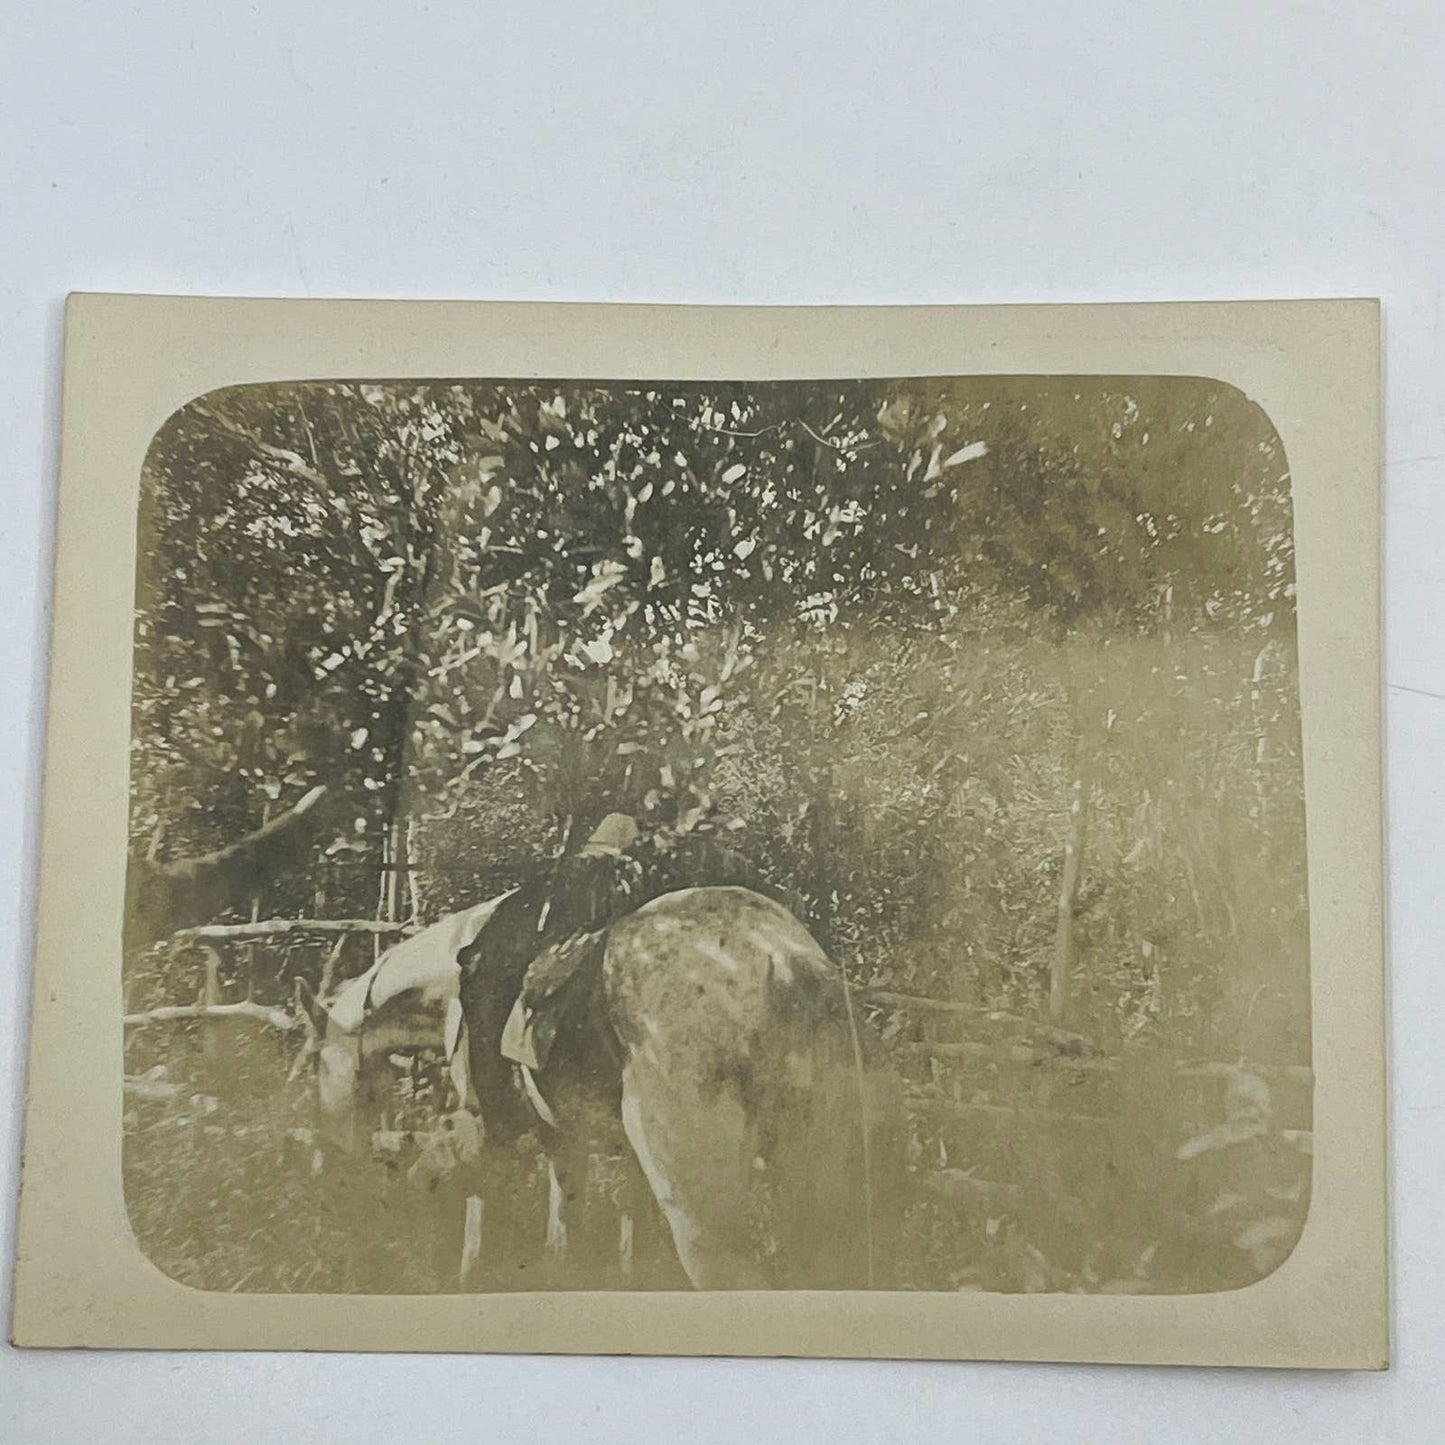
(755, 1106)
(719, 1035)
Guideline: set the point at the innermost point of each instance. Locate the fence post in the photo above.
(212, 1030)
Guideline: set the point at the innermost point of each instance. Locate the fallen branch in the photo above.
(1022, 1054)
(955, 1184)
(962, 1188)
(953, 1109)
(1293, 1073)
(1005, 1053)
(922, 1004)
(280, 927)
(277, 1018)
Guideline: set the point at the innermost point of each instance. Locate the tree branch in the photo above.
(832, 445)
(255, 842)
(822, 441)
(162, 897)
(277, 1018)
(290, 461)
(729, 432)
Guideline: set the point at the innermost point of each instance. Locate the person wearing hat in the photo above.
(600, 881)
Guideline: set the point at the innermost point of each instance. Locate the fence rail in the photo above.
(286, 927)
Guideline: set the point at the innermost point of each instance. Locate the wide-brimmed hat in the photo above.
(612, 837)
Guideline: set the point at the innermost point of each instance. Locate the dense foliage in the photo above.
(876, 635)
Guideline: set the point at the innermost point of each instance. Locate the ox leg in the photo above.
(471, 1239)
(696, 1151)
(645, 1256)
(572, 1224)
(556, 1211)
(626, 1245)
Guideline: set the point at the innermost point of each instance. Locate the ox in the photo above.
(406, 1001)
(709, 1027)
(704, 1037)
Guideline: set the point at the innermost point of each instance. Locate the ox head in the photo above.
(332, 1054)
(407, 1000)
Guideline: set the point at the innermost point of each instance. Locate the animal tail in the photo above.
(865, 1130)
(833, 1137)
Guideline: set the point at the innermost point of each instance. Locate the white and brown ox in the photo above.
(407, 1000)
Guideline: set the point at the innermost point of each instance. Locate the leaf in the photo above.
(607, 576)
(972, 452)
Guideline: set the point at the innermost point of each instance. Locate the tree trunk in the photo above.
(1068, 893)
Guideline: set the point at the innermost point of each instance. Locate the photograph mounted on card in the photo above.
(830, 831)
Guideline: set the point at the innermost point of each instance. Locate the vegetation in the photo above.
(994, 676)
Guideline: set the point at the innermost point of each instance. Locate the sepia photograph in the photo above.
(614, 833)
(782, 835)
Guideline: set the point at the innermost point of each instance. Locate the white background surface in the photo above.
(749, 152)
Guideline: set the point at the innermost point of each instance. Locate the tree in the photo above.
(403, 590)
